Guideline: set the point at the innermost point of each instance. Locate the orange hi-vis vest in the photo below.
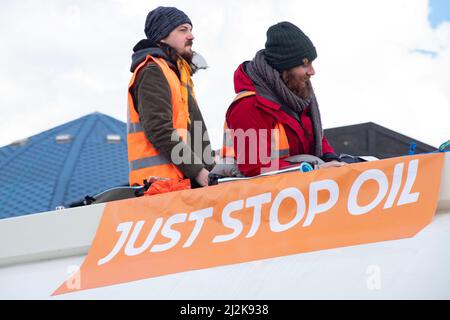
(144, 160)
(279, 142)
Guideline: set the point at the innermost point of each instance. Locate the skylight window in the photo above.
(113, 138)
(63, 138)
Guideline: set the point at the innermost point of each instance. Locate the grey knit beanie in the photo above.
(287, 46)
(161, 21)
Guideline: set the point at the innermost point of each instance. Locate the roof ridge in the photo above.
(111, 123)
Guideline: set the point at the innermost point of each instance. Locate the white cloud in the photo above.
(63, 59)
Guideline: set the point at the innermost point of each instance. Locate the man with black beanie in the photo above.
(166, 133)
(276, 106)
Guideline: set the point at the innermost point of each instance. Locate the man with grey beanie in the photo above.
(276, 106)
(166, 134)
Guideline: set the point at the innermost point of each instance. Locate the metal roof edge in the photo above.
(385, 131)
(49, 235)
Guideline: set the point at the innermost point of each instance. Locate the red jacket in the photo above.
(257, 112)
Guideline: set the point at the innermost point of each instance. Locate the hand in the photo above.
(202, 177)
(330, 164)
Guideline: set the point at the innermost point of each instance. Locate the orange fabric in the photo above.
(279, 139)
(280, 142)
(163, 186)
(261, 218)
(138, 145)
(227, 146)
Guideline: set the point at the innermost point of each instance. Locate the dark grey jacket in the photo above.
(152, 98)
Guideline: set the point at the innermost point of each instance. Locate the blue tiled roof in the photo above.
(41, 173)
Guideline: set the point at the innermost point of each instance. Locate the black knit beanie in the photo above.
(161, 21)
(287, 46)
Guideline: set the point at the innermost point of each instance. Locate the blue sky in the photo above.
(440, 11)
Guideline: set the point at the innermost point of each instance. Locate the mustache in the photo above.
(189, 43)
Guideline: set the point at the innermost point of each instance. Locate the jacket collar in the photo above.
(242, 82)
(266, 102)
(139, 56)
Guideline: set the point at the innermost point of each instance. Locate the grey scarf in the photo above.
(271, 86)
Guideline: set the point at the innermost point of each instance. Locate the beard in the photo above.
(188, 54)
(174, 55)
(300, 86)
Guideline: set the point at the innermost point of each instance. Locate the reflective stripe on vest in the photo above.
(279, 143)
(148, 162)
(144, 160)
(279, 147)
(134, 127)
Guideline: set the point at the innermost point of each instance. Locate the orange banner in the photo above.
(260, 218)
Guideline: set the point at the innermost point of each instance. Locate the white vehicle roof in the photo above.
(38, 253)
